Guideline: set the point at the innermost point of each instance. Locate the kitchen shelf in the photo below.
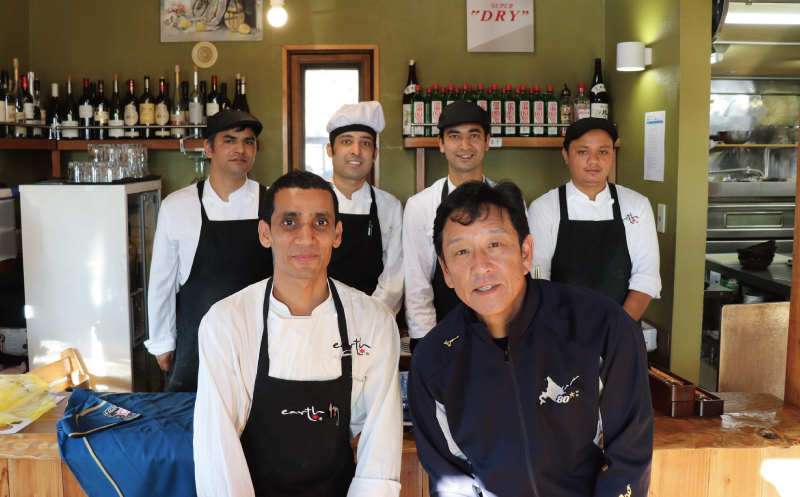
(26, 144)
(420, 144)
(755, 145)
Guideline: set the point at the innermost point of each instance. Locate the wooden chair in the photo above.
(753, 340)
(70, 371)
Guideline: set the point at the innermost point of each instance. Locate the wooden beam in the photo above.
(792, 392)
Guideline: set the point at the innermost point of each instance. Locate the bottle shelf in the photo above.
(26, 144)
(508, 142)
(755, 145)
(152, 144)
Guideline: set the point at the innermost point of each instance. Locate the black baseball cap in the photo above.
(229, 119)
(462, 112)
(583, 126)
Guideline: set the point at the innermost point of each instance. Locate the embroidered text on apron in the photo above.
(297, 437)
(593, 254)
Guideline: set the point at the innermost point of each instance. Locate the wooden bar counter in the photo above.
(694, 457)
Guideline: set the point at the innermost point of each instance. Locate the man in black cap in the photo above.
(206, 246)
(464, 130)
(593, 233)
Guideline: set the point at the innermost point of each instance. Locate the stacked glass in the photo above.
(109, 163)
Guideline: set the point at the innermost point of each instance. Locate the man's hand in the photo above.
(165, 360)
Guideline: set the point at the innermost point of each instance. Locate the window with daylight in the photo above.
(317, 80)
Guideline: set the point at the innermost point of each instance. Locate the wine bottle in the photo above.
(599, 95)
(224, 103)
(212, 104)
(69, 115)
(552, 112)
(4, 99)
(27, 108)
(196, 105)
(38, 108)
(510, 112)
(178, 114)
(496, 110)
(203, 92)
(408, 96)
(581, 107)
(236, 91)
(147, 111)
(116, 116)
(242, 98)
(85, 111)
(437, 104)
(524, 106)
(539, 111)
(428, 104)
(418, 111)
(566, 110)
(101, 112)
(163, 108)
(185, 95)
(53, 112)
(131, 111)
(450, 97)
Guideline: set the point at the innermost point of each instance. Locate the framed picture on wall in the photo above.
(211, 20)
(494, 26)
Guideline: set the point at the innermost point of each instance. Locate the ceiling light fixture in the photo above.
(633, 56)
(764, 14)
(276, 15)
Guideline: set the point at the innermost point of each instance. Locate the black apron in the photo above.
(593, 254)
(297, 438)
(358, 261)
(229, 258)
(444, 297)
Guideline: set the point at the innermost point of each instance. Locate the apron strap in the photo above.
(200, 186)
(617, 212)
(445, 190)
(374, 222)
(562, 202)
(262, 207)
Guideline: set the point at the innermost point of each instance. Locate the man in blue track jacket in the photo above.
(528, 388)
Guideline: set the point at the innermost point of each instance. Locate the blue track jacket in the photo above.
(566, 411)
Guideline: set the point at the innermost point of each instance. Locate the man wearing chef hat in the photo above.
(464, 140)
(292, 368)
(206, 244)
(593, 233)
(370, 257)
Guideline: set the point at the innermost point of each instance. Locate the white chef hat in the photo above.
(363, 116)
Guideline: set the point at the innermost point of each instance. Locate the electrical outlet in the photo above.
(661, 218)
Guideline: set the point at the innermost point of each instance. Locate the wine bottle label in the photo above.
(116, 130)
(552, 118)
(511, 117)
(410, 89)
(3, 111)
(85, 111)
(69, 133)
(582, 111)
(600, 110)
(19, 130)
(162, 114)
(28, 110)
(406, 119)
(566, 118)
(496, 107)
(525, 112)
(598, 88)
(482, 104)
(132, 133)
(178, 118)
(147, 113)
(195, 113)
(436, 111)
(162, 133)
(419, 118)
(101, 116)
(212, 108)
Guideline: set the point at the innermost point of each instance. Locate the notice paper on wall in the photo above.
(654, 145)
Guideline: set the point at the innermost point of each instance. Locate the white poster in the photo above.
(654, 127)
(499, 26)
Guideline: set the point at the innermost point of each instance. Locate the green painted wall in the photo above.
(433, 33)
(678, 82)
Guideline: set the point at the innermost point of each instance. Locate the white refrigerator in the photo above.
(86, 258)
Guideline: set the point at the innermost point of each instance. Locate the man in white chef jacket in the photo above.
(293, 367)
(464, 140)
(370, 257)
(206, 246)
(593, 233)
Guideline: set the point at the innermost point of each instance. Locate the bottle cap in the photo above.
(480, 87)
(429, 89)
(549, 88)
(517, 91)
(523, 87)
(536, 88)
(417, 87)
(436, 86)
(581, 87)
(531, 91)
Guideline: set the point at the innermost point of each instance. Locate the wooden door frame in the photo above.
(287, 52)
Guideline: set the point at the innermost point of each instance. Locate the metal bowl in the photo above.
(735, 137)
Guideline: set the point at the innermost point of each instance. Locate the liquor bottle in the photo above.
(3, 103)
(243, 105)
(69, 115)
(524, 112)
(481, 98)
(163, 109)
(466, 93)
(581, 107)
(430, 95)
(203, 92)
(510, 112)
(599, 97)
(130, 110)
(418, 111)
(437, 104)
(178, 114)
(408, 94)
(236, 92)
(26, 109)
(552, 111)
(147, 111)
(101, 112)
(116, 114)
(214, 98)
(53, 112)
(196, 106)
(224, 103)
(85, 111)
(14, 105)
(566, 110)
(185, 95)
(538, 111)
(39, 111)
(451, 94)
(496, 110)
(457, 94)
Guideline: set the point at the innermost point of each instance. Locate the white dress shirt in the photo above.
(300, 348)
(390, 215)
(419, 256)
(544, 217)
(174, 246)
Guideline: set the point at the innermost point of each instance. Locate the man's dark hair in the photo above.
(239, 128)
(303, 180)
(473, 201)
